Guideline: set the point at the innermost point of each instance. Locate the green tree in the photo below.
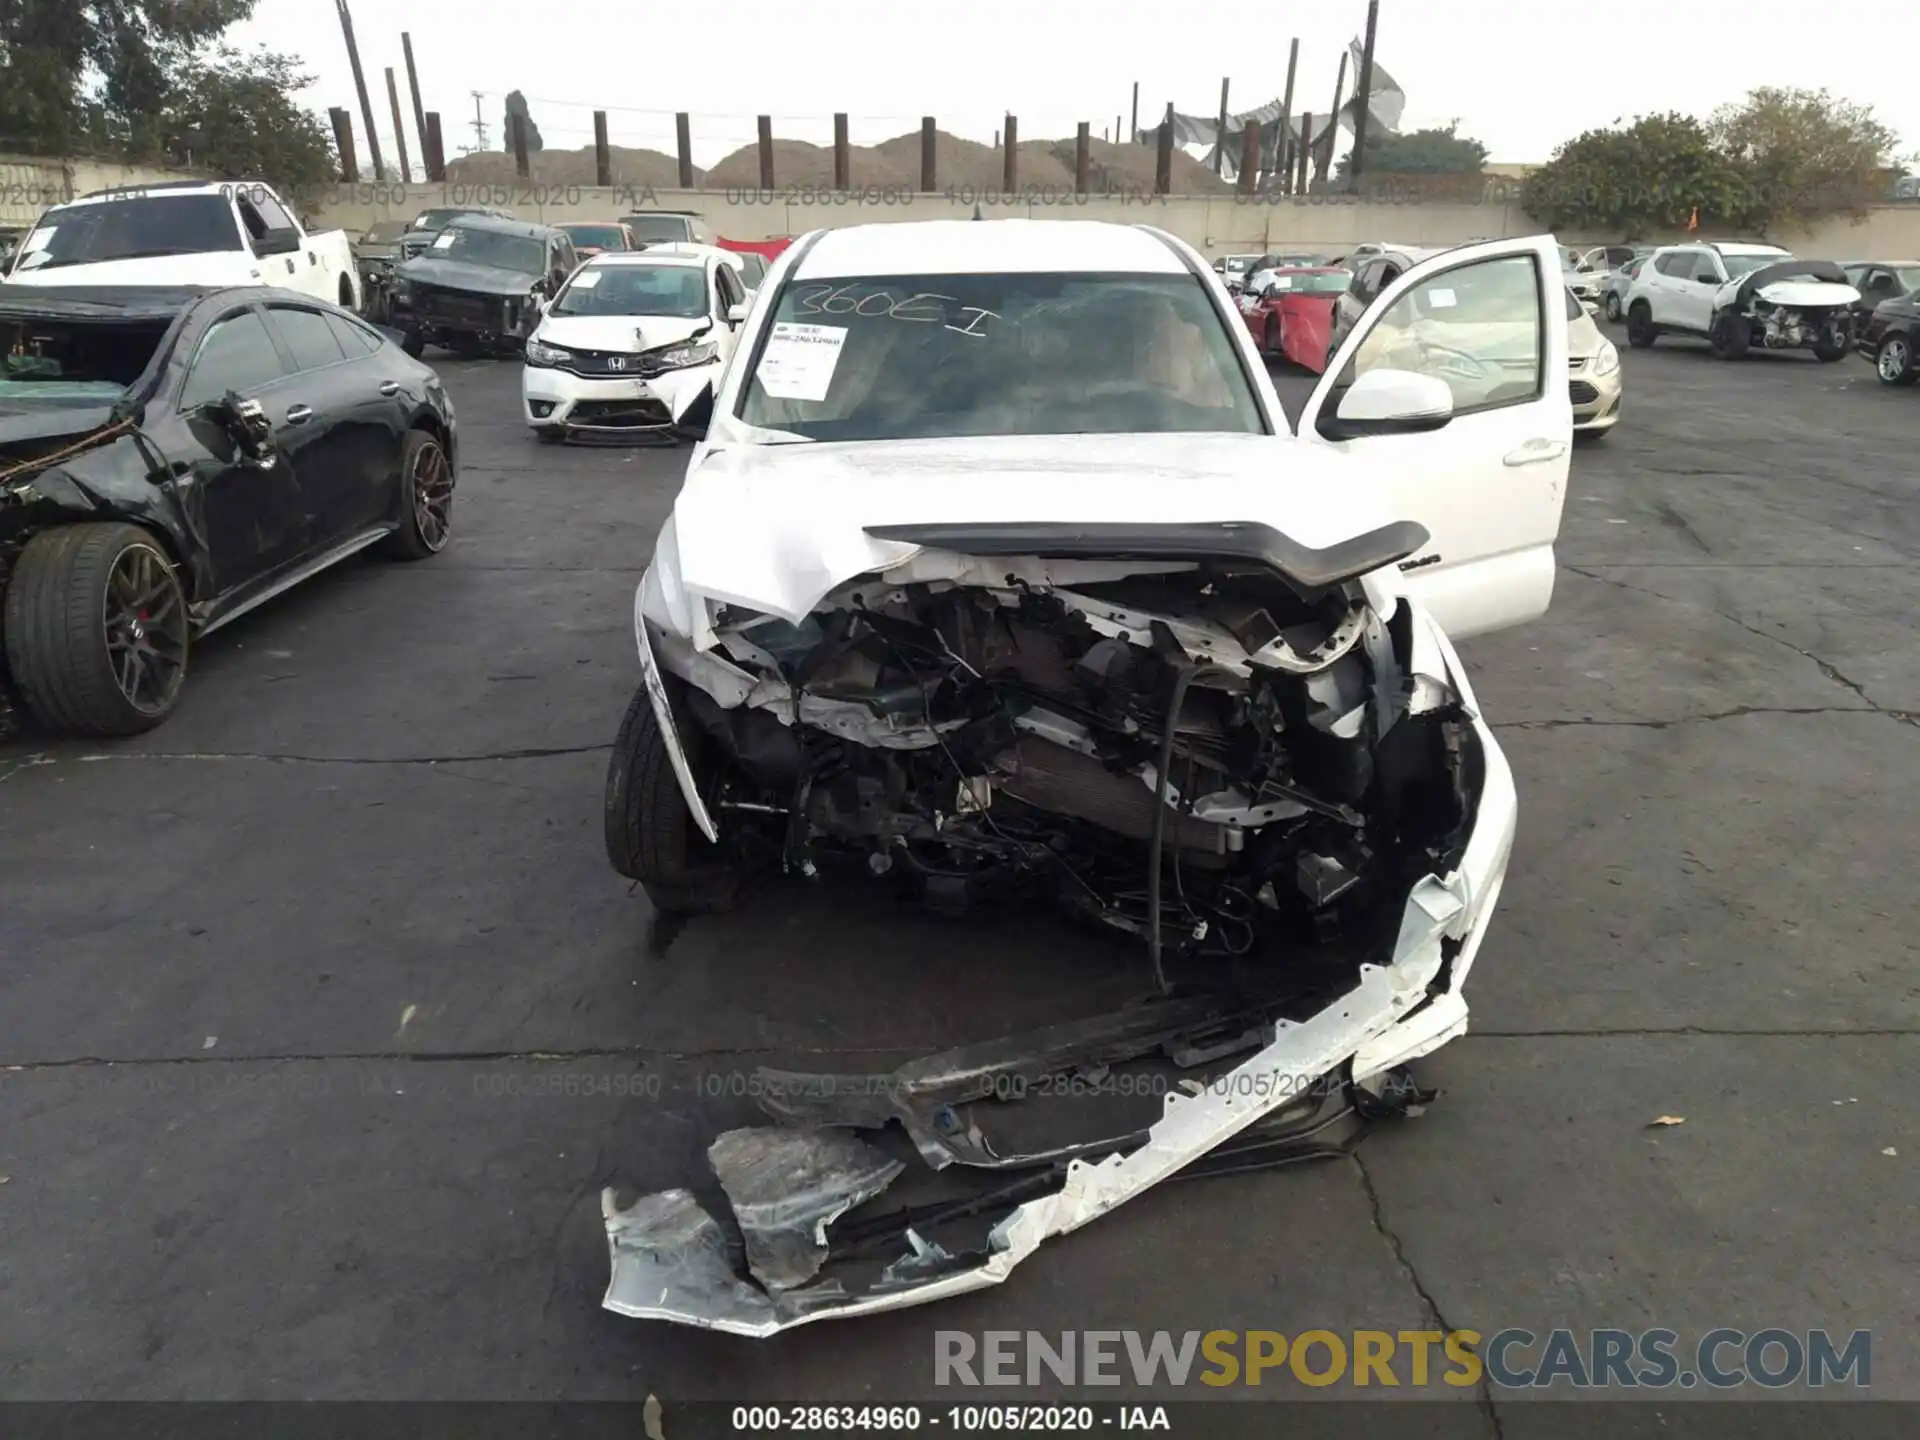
(234, 115)
(1440, 151)
(78, 74)
(1808, 153)
(1645, 177)
(517, 105)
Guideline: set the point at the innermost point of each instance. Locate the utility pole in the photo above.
(1283, 143)
(1364, 96)
(479, 125)
(360, 84)
(1133, 136)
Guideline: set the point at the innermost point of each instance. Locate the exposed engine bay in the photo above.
(1794, 304)
(1244, 766)
(972, 743)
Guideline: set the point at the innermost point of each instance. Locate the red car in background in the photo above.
(1293, 317)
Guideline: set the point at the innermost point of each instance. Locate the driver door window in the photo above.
(1477, 327)
(237, 354)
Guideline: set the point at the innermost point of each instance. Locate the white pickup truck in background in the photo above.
(191, 232)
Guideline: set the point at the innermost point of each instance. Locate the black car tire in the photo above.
(1728, 335)
(1894, 364)
(57, 624)
(414, 344)
(1613, 307)
(426, 494)
(1270, 342)
(346, 293)
(650, 833)
(1826, 352)
(1640, 331)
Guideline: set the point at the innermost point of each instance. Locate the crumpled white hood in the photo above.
(617, 334)
(776, 527)
(1811, 294)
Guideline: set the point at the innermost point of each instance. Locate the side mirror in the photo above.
(737, 314)
(283, 241)
(693, 422)
(1389, 402)
(248, 424)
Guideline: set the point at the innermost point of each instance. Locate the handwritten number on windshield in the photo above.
(924, 308)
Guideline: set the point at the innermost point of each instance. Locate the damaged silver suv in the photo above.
(1000, 576)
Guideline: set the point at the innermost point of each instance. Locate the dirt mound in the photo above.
(1113, 167)
(795, 162)
(569, 167)
(975, 166)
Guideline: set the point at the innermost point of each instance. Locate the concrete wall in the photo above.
(1215, 224)
(29, 184)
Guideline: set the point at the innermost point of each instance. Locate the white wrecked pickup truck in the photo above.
(1001, 576)
(188, 232)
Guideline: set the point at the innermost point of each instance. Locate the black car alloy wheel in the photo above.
(431, 480)
(1894, 364)
(145, 628)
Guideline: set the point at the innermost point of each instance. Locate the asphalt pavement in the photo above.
(324, 1019)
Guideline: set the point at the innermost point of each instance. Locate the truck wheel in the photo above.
(426, 495)
(1894, 363)
(1640, 331)
(1728, 335)
(1828, 351)
(346, 293)
(97, 631)
(650, 833)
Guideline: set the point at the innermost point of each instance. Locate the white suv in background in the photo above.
(1675, 289)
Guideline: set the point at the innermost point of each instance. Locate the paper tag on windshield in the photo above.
(1441, 299)
(444, 242)
(1283, 282)
(586, 279)
(799, 360)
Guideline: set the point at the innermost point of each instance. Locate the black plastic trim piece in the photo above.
(1299, 565)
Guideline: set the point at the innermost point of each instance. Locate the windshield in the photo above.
(130, 229)
(924, 356)
(602, 237)
(54, 362)
(1908, 275)
(490, 247)
(659, 227)
(438, 219)
(384, 233)
(1738, 265)
(628, 289)
(1299, 282)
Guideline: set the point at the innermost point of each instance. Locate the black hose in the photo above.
(1186, 677)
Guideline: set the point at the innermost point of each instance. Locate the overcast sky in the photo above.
(1519, 78)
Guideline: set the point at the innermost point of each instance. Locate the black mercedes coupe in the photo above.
(171, 458)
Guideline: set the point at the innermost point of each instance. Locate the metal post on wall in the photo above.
(1364, 96)
(360, 87)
